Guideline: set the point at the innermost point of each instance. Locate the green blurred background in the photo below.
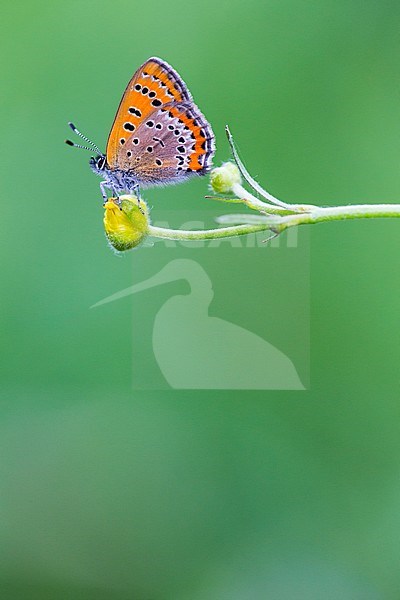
(111, 493)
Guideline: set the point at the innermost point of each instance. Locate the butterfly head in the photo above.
(98, 163)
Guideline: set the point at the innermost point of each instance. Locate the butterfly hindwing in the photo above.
(171, 144)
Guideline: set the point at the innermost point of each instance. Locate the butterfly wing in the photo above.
(159, 134)
(172, 144)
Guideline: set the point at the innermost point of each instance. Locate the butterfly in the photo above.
(158, 137)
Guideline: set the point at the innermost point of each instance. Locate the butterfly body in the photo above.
(114, 179)
(159, 136)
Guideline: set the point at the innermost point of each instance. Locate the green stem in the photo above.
(257, 204)
(278, 215)
(339, 213)
(278, 224)
(206, 234)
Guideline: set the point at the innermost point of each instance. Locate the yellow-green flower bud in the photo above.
(223, 178)
(126, 222)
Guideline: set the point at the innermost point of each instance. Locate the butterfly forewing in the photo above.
(159, 135)
(154, 84)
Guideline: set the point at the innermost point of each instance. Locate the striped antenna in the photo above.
(78, 145)
(92, 144)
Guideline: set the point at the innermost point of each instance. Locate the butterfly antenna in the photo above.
(78, 145)
(75, 130)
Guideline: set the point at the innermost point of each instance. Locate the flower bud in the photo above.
(126, 222)
(223, 178)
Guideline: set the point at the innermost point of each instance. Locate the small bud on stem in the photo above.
(223, 178)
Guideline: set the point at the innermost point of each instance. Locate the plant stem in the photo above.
(278, 224)
(337, 213)
(206, 234)
(257, 204)
(281, 215)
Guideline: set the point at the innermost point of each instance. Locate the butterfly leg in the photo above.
(103, 193)
(136, 192)
(116, 196)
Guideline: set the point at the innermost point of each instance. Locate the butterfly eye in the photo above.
(100, 162)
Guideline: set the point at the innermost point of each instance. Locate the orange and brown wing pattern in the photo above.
(154, 85)
(201, 148)
(173, 143)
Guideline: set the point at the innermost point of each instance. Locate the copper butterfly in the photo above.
(158, 137)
